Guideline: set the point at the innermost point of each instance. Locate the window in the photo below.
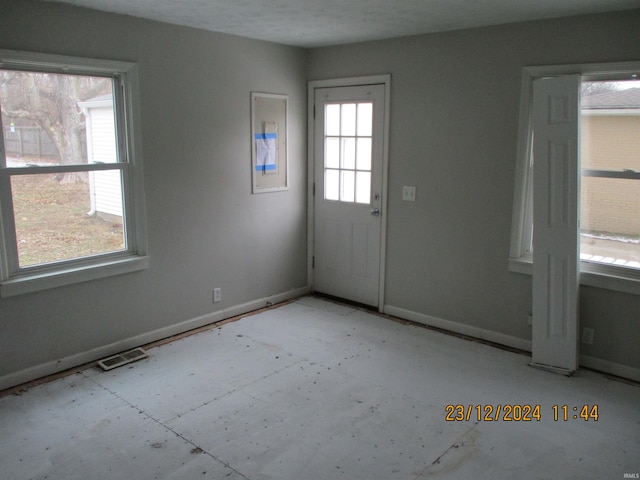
(609, 202)
(610, 165)
(70, 182)
(347, 157)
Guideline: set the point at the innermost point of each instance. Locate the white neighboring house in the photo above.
(105, 186)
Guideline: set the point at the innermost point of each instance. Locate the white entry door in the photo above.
(556, 183)
(348, 203)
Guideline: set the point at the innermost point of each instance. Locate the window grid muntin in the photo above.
(344, 128)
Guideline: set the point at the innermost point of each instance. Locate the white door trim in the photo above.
(348, 82)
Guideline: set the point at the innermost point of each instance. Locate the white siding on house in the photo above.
(102, 135)
(107, 192)
(106, 186)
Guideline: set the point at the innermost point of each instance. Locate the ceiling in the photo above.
(317, 23)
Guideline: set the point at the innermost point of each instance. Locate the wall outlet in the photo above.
(587, 336)
(409, 194)
(217, 295)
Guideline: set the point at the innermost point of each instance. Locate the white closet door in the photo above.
(556, 113)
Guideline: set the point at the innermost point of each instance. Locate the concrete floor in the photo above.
(313, 390)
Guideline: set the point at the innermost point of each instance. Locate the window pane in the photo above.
(348, 145)
(610, 221)
(610, 207)
(332, 153)
(364, 154)
(365, 119)
(348, 153)
(347, 187)
(332, 120)
(60, 220)
(348, 119)
(363, 187)
(332, 184)
(57, 119)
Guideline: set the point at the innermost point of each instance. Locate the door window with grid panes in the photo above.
(347, 158)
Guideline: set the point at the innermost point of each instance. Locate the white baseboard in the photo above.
(56, 366)
(461, 328)
(601, 365)
(613, 368)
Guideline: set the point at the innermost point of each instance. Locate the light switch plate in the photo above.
(409, 194)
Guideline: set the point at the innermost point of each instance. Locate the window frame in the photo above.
(520, 260)
(16, 281)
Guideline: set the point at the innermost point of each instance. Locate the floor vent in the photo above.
(120, 359)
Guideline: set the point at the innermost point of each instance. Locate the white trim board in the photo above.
(383, 79)
(82, 358)
(460, 328)
(587, 361)
(612, 368)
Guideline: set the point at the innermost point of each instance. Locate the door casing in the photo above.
(347, 82)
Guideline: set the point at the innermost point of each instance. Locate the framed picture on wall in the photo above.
(269, 167)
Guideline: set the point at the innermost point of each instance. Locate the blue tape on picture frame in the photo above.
(266, 151)
(261, 136)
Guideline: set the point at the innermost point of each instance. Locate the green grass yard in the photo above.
(53, 224)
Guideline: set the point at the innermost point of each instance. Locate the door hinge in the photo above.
(313, 262)
(314, 189)
(314, 110)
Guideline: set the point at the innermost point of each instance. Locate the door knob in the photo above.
(375, 212)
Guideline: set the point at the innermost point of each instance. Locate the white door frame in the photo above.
(347, 82)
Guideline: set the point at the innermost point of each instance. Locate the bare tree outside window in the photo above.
(50, 101)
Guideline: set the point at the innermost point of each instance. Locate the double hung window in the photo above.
(70, 172)
(608, 174)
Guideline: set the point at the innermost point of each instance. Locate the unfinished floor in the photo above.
(314, 390)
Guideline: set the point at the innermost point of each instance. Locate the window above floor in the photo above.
(70, 172)
(609, 175)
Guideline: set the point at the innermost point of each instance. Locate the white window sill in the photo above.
(608, 277)
(34, 282)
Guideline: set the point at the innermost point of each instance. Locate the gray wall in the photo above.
(454, 112)
(205, 228)
(454, 119)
